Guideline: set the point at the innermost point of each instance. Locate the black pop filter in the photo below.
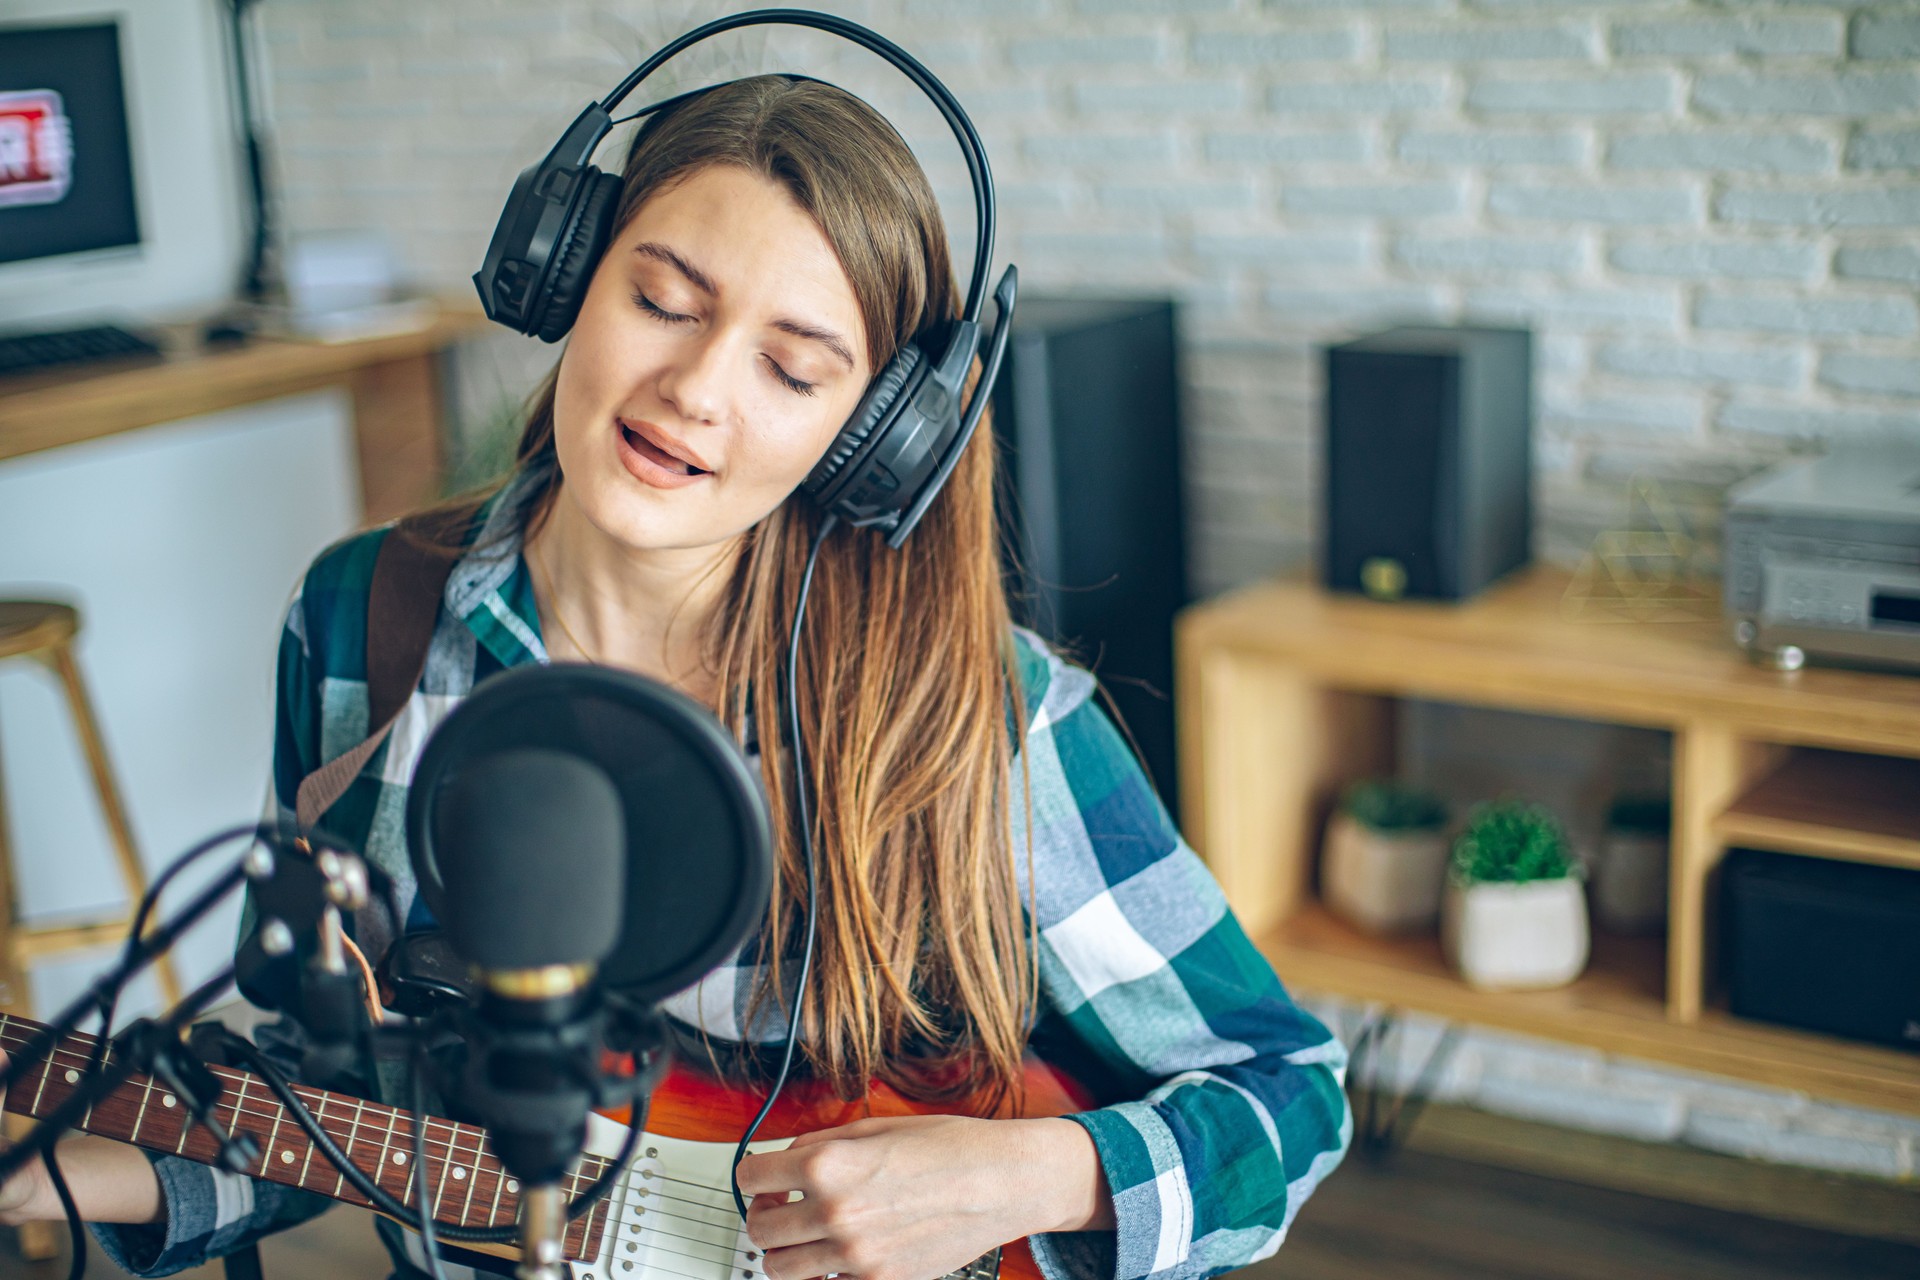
(699, 861)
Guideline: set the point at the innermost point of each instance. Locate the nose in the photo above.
(696, 383)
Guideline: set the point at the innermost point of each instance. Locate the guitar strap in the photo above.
(403, 603)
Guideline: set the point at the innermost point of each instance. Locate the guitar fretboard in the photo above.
(464, 1183)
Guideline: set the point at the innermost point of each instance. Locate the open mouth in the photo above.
(659, 457)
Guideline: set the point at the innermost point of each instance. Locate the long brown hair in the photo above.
(908, 687)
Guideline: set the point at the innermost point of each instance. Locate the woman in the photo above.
(995, 871)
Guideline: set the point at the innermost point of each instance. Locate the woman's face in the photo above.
(718, 351)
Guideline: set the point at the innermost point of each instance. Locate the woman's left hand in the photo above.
(915, 1197)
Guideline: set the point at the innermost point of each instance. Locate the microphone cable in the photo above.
(382, 1200)
(429, 1242)
(806, 844)
(77, 1267)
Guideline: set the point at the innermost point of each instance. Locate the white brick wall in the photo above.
(1706, 210)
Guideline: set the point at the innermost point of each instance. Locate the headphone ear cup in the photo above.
(883, 394)
(577, 251)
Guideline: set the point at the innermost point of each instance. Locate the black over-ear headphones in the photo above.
(909, 430)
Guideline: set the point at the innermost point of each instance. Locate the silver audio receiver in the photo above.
(1822, 559)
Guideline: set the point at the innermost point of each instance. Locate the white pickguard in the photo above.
(672, 1217)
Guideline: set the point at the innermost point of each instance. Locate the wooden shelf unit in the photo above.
(1832, 804)
(1287, 692)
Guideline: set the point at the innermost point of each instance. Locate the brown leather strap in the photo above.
(403, 604)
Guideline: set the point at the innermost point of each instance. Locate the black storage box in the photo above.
(1826, 945)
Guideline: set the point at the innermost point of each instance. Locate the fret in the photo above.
(239, 1106)
(139, 1117)
(405, 1157)
(597, 1212)
(186, 1124)
(446, 1162)
(319, 1115)
(273, 1138)
(46, 1069)
(410, 1163)
(386, 1149)
(473, 1179)
(499, 1185)
(341, 1179)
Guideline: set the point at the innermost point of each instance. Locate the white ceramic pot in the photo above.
(1383, 881)
(1630, 884)
(1516, 937)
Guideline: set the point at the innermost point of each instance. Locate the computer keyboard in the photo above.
(27, 352)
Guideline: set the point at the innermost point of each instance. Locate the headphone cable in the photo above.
(806, 843)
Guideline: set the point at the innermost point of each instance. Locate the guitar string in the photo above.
(451, 1146)
(591, 1166)
(74, 1060)
(353, 1134)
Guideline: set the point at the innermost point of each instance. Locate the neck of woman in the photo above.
(642, 609)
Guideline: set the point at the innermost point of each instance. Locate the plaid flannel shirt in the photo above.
(1224, 1106)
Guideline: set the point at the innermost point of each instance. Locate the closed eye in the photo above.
(788, 380)
(661, 314)
(658, 312)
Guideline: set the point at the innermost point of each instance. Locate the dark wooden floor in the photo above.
(1417, 1217)
(1427, 1217)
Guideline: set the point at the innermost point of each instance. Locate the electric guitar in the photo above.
(671, 1217)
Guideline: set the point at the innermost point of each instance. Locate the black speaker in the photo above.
(1429, 461)
(1829, 946)
(1087, 415)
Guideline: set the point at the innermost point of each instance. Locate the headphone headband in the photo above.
(908, 65)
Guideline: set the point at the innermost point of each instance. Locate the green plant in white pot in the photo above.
(1386, 856)
(1515, 918)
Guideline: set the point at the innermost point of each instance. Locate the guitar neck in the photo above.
(464, 1183)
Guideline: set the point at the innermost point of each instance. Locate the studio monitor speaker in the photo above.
(1428, 461)
(1087, 414)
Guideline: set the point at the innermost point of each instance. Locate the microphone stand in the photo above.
(543, 1224)
(155, 1047)
(144, 1041)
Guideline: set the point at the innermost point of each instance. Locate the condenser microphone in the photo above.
(590, 842)
(533, 844)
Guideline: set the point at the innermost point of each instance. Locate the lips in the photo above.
(659, 447)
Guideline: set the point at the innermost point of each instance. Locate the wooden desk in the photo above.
(394, 383)
(1286, 693)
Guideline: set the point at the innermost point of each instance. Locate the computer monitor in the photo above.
(119, 185)
(66, 172)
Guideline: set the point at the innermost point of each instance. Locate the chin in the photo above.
(641, 519)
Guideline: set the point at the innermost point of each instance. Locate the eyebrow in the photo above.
(703, 282)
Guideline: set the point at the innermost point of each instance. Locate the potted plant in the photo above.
(1630, 882)
(1514, 916)
(1386, 856)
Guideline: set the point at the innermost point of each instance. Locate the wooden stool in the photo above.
(44, 632)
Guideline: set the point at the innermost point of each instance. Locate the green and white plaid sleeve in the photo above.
(1227, 1108)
